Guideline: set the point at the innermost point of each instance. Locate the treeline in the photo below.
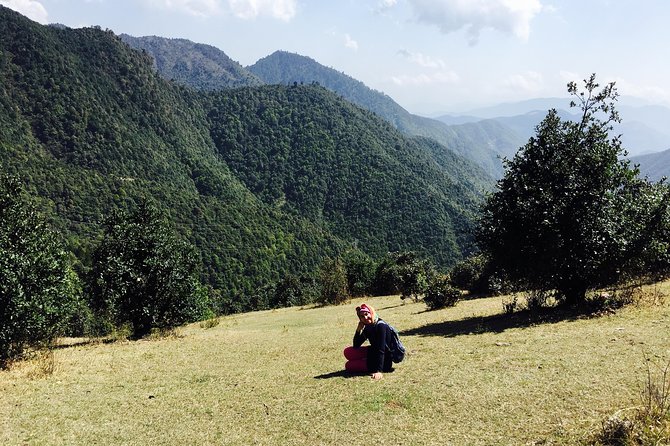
(144, 278)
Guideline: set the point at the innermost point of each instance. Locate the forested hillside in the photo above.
(207, 68)
(89, 126)
(311, 153)
(195, 64)
(481, 143)
(258, 179)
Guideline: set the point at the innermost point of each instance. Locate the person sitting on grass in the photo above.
(376, 357)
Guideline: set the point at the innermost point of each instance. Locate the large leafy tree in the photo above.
(38, 288)
(144, 275)
(570, 213)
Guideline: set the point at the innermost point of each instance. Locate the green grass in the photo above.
(472, 376)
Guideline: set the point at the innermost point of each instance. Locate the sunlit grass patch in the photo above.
(472, 376)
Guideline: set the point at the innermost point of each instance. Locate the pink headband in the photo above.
(363, 309)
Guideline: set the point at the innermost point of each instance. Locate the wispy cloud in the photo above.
(528, 82)
(652, 93)
(570, 76)
(250, 9)
(442, 77)
(507, 16)
(385, 5)
(422, 60)
(244, 9)
(350, 43)
(198, 8)
(32, 9)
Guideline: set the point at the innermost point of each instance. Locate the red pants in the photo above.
(357, 359)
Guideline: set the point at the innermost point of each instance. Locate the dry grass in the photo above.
(473, 376)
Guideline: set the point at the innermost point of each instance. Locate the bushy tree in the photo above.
(403, 272)
(412, 274)
(467, 274)
(440, 293)
(360, 270)
(333, 282)
(568, 214)
(476, 275)
(38, 288)
(144, 275)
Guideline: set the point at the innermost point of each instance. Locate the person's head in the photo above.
(366, 314)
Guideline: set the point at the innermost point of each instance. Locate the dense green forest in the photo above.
(482, 143)
(263, 181)
(207, 68)
(312, 154)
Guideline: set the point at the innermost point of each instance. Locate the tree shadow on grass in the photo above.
(498, 323)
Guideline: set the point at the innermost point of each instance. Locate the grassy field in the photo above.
(473, 376)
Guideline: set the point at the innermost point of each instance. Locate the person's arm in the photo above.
(359, 336)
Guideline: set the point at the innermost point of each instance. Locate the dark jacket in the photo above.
(379, 358)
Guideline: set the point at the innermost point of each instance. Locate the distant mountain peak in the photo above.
(198, 65)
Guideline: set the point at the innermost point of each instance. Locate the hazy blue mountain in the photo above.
(644, 128)
(518, 108)
(198, 65)
(654, 165)
(639, 139)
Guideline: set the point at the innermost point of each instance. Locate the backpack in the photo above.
(394, 344)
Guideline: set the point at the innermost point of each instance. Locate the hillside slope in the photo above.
(89, 126)
(483, 146)
(258, 179)
(311, 153)
(654, 165)
(195, 64)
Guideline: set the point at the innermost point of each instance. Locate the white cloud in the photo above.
(199, 8)
(652, 93)
(422, 60)
(570, 76)
(32, 9)
(442, 77)
(385, 5)
(528, 82)
(350, 43)
(250, 9)
(244, 9)
(507, 16)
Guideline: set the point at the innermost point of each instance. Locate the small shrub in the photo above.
(210, 323)
(440, 294)
(537, 299)
(44, 364)
(510, 304)
(617, 431)
(650, 424)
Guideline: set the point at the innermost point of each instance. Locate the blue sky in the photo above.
(430, 56)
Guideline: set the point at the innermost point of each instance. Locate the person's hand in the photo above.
(377, 375)
(360, 326)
